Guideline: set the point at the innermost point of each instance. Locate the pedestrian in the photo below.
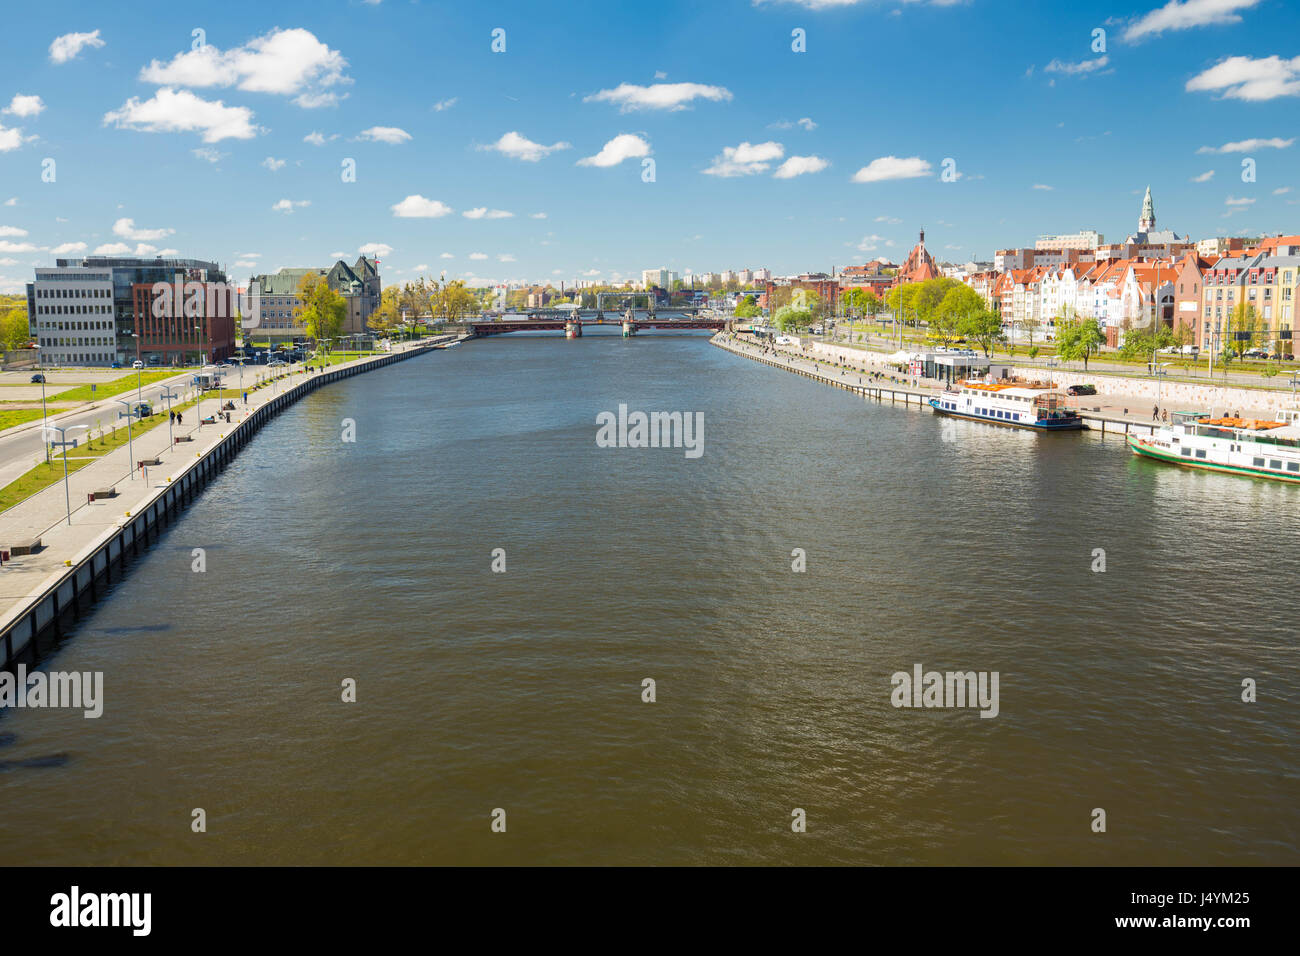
(178, 418)
(245, 396)
(1156, 413)
(171, 418)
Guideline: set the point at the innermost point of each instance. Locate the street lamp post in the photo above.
(129, 441)
(64, 443)
(44, 416)
(1158, 371)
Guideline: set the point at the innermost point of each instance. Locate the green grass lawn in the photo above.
(38, 479)
(18, 416)
(117, 386)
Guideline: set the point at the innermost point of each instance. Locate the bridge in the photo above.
(572, 321)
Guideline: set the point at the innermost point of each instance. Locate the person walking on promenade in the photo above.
(1155, 414)
(171, 418)
(245, 396)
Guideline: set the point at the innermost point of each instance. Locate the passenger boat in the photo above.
(1239, 446)
(1035, 405)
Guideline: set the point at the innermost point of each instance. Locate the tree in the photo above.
(1243, 321)
(1145, 343)
(983, 327)
(790, 319)
(958, 304)
(1078, 341)
(14, 330)
(323, 309)
(748, 308)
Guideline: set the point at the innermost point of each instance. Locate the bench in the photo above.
(181, 438)
(28, 546)
(148, 462)
(102, 493)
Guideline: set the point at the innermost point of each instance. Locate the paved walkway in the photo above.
(45, 514)
(871, 370)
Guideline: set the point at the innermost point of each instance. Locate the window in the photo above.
(1200, 453)
(1293, 466)
(1187, 451)
(1274, 463)
(1259, 462)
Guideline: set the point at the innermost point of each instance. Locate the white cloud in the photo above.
(284, 62)
(441, 105)
(446, 255)
(11, 201)
(658, 96)
(1244, 78)
(288, 205)
(1075, 69)
(175, 111)
(375, 250)
(333, 255)
(7, 246)
(64, 248)
(66, 47)
(209, 153)
(24, 106)
(385, 134)
(537, 215)
(747, 159)
(478, 255)
(1185, 15)
(891, 167)
(505, 257)
(12, 231)
(10, 138)
(273, 164)
(482, 212)
(1043, 186)
(516, 146)
(888, 219)
(592, 272)
(246, 264)
(1247, 145)
(1205, 177)
(113, 249)
(417, 207)
(1233, 201)
(317, 138)
(7, 261)
(870, 243)
(1281, 190)
(621, 147)
(422, 267)
(125, 228)
(798, 165)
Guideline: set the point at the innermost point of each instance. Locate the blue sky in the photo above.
(1047, 132)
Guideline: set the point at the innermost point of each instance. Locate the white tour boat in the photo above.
(1239, 446)
(1035, 405)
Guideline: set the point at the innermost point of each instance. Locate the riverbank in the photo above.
(868, 374)
(69, 557)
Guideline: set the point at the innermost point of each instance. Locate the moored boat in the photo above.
(1034, 405)
(1240, 446)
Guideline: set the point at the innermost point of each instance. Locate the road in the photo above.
(22, 447)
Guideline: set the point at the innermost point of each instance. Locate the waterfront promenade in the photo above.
(44, 516)
(871, 374)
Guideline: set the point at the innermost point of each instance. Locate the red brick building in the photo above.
(183, 324)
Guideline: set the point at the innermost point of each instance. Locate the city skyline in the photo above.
(324, 133)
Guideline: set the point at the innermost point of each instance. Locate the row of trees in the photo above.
(447, 301)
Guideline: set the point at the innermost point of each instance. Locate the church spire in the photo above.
(1148, 221)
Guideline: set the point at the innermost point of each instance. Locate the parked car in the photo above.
(1081, 390)
(137, 364)
(116, 365)
(38, 379)
(142, 409)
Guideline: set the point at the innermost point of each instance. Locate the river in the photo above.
(957, 546)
